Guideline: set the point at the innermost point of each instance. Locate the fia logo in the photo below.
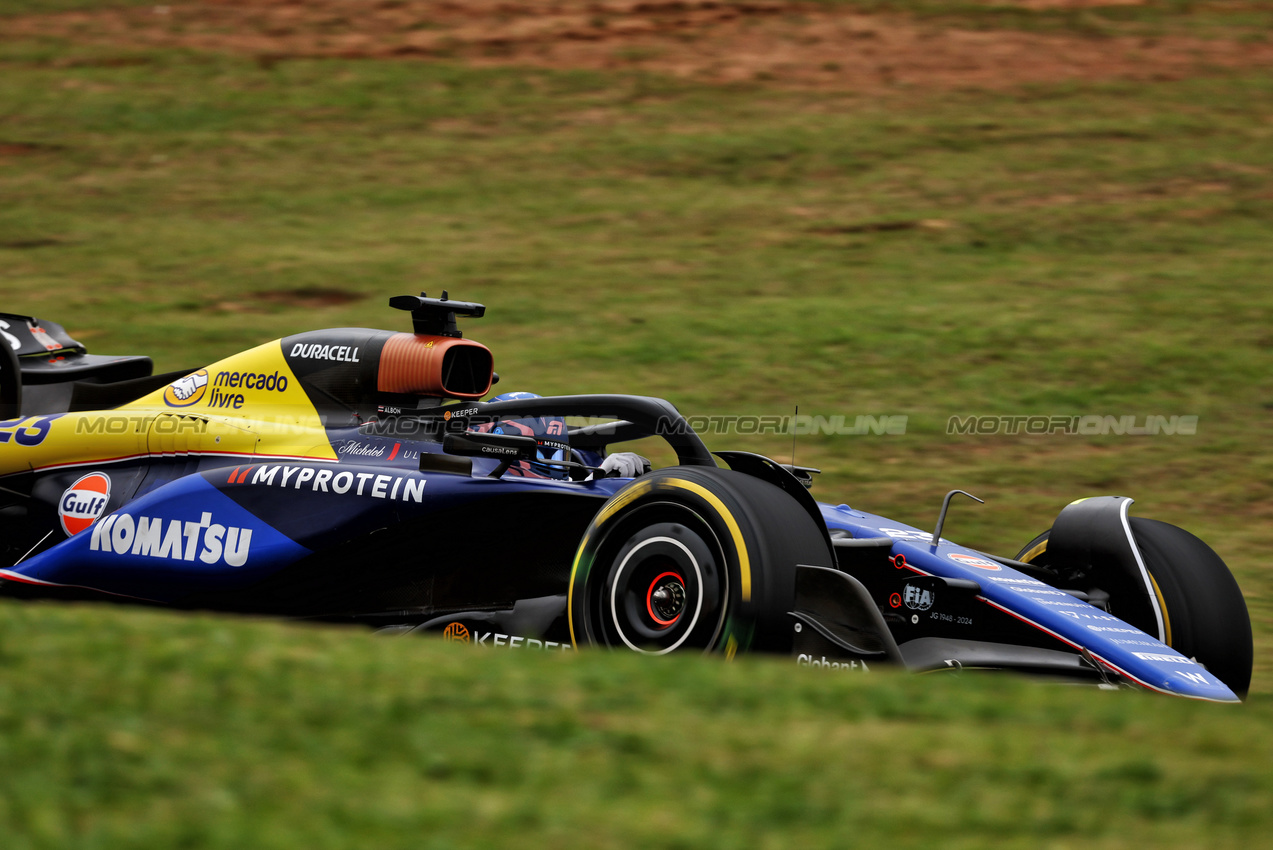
(917, 598)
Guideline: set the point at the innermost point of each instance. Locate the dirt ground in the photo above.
(786, 43)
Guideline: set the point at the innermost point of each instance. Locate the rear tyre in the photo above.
(1204, 614)
(692, 558)
(10, 382)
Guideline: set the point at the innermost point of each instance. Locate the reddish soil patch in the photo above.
(784, 42)
(1074, 4)
(312, 297)
(23, 148)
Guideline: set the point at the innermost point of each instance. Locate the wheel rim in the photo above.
(647, 556)
(665, 600)
(666, 587)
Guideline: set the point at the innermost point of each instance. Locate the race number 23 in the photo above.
(28, 431)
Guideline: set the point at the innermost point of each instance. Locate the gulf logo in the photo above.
(973, 561)
(83, 502)
(184, 392)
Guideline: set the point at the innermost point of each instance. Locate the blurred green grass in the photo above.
(1198, 18)
(1057, 250)
(1149, 18)
(36, 7)
(165, 730)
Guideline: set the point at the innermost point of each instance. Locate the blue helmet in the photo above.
(549, 431)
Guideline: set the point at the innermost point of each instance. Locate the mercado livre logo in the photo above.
(186, 391)
(224, 382)
(223, 389)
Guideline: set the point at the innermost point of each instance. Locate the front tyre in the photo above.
(692, 558)
(1204, 614)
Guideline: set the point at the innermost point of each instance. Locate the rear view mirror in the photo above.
(506, 448)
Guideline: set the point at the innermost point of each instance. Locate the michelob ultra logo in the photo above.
(83, 502)
(188, 390)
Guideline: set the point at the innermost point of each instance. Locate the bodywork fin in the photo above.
(1092, 540)
(837, 609)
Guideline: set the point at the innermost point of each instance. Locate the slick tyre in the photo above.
(692, 559)
(10, 383)
(1204, 614)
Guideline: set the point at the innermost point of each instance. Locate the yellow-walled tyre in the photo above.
(1204, 614)
(692, 558)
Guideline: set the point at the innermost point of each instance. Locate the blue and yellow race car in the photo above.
(354, 475)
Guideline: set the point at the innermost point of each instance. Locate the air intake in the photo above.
(419, 364)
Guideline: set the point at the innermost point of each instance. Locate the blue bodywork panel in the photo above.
(1114, 643)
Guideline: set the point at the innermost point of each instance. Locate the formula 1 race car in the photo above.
(353, 475)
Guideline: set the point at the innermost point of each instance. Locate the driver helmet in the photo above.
(549, 431)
